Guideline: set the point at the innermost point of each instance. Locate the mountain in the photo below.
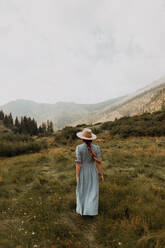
(149, 98)
(61, 113)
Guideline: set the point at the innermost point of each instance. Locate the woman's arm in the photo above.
(78, 162)
(100, 167)
(78, 167)
(99, 163)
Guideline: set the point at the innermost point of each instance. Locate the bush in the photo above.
(67, 135)
(146, 124)
(9, 136)
(9, 149)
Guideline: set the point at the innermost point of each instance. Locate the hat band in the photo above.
(87, 135)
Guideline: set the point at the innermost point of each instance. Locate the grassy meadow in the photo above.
(38, 197)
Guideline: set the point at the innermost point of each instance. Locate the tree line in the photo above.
(26, 125)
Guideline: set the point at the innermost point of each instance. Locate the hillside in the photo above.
(156, 102)
(133, 171)
(38, 197)
(61, 113)
(148, 99)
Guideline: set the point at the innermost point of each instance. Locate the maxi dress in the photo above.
(87, 189)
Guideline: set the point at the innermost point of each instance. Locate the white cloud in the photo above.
(79, 50)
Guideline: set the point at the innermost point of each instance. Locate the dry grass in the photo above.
(38, 198)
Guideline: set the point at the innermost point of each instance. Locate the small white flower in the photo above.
(119, 243)
(33, 233)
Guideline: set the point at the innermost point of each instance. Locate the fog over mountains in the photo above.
(149, 98)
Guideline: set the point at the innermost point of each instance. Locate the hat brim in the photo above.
(79, 134)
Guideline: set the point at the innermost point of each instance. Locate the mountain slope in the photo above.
(157, 102)
(61, 113)
(149, 98)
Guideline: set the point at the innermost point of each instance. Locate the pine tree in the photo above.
(16, 123)
(34, 128)
(49, 127)
(17, 126)
(6, 121)
(40, 130)
(44, 128)
(26, 125)
(2, 115)
(10, 120)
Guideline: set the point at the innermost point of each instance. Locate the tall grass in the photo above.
(38, 198)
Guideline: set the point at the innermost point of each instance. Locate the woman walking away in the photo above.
(87, 190)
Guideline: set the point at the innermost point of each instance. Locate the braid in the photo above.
(92, 152)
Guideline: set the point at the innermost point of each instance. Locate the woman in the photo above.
(87, 190)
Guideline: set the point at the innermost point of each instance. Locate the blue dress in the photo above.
(87, 189)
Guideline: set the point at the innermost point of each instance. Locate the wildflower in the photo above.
(119, 243)
(33, 233)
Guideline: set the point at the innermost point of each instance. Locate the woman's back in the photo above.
(83, 154)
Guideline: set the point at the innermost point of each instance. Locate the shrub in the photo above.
(9, 149)
(67, 135)
(146, 124)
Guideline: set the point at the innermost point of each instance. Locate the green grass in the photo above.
(38, 198)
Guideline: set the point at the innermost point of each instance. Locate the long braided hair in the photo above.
(88, 142)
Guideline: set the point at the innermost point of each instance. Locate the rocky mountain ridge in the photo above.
(148, 99)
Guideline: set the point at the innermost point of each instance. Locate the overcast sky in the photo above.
(84, 51)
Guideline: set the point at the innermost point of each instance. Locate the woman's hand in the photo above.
(101, 179)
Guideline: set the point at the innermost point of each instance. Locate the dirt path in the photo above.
(86, 225)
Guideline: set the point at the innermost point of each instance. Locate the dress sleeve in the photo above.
(78, 155)
(98, 153)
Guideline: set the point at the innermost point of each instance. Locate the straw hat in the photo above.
(86, 134)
